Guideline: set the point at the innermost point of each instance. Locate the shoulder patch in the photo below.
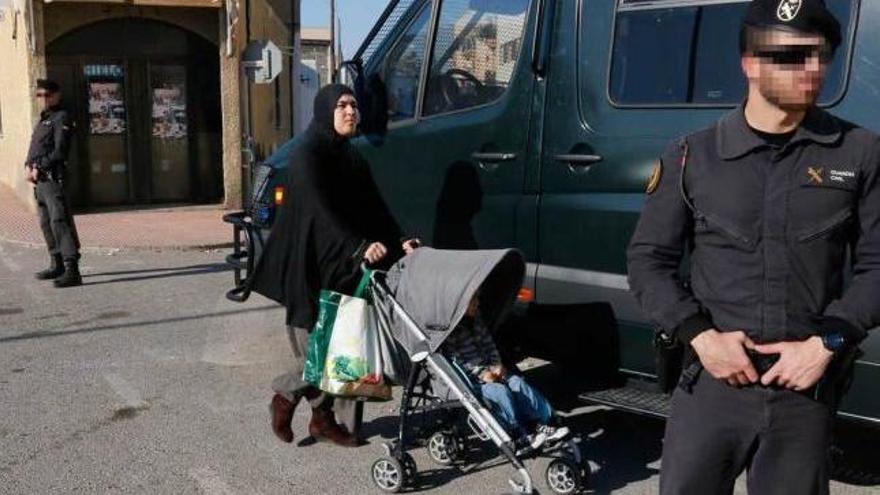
(656, 175)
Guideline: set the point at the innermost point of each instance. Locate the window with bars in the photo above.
(475, 53)
(402, 68)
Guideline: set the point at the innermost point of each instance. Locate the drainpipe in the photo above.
(294, 62)
(247, 39)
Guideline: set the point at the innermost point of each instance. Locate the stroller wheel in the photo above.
(389, 474)
(443, 448)
(563, 476)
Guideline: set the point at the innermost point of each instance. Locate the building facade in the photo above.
(315, 71)
(156, 90)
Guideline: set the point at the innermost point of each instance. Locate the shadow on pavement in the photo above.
(40, 334)
(384, 427)
(623, 445)
(156, 273)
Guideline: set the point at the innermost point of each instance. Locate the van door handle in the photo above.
(577, 163)
(493, 157)
(490, 161)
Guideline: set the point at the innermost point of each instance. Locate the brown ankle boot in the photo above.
(323, 428)
(282, 410)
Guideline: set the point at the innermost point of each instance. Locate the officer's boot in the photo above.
(55, 270)
(71, 277)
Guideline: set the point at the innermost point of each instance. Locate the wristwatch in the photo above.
(833, 341)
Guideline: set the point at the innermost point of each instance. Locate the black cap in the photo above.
(48, 85)
(801, 15)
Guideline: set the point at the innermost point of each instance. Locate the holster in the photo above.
(669, 360)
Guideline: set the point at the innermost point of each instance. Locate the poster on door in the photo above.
(106, 108)
(169, 112)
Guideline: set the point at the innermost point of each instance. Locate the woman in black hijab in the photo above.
(333, 218)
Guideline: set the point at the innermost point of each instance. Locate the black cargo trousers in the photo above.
(56, 220)
(715, 431)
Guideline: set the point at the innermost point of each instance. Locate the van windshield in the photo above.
(689, 55)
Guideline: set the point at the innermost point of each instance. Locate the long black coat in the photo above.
(332, 210)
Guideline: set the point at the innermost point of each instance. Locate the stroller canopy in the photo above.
(435, 286)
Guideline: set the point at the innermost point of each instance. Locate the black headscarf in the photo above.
(331, 212)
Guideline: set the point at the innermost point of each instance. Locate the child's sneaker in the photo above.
(547, 433)
(524, 444)
(537, 440)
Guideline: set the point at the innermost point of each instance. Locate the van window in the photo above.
(403, 68)
(690, 55)
(477, 46)
(371, 45)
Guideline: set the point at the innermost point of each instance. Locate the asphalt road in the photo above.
(147, 380)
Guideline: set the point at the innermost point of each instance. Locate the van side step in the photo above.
(655, 404)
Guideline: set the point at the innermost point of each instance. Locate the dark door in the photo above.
(453, 162)
(106, 134)
(143, 136)
(171, 169)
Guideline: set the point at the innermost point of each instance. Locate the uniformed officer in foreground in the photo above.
(45, 166)
(767, 203)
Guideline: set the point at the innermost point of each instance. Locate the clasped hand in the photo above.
(723, 355)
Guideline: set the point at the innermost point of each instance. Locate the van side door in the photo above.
(452, 162)
(625, 79)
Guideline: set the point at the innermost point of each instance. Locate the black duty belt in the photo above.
(762, 362)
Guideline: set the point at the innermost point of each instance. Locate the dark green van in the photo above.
(536, 123)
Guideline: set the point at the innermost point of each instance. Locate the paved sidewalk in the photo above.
(182, 227)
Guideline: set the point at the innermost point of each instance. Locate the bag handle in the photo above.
(362, 285)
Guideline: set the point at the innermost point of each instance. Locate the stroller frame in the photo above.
(397, 468)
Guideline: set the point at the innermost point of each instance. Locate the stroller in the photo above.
(419, 301)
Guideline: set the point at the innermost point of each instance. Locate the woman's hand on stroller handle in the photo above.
(411, 245)
(375, 252)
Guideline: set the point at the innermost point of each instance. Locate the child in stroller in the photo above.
(457, 393)
(518, 404)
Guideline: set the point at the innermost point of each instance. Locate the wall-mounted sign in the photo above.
(262, 61)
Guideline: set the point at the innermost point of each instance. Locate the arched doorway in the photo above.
(145, 96)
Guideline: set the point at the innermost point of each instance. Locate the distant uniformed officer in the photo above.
(45, 165)
(768, 204)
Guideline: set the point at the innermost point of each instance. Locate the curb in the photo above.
(110, 250)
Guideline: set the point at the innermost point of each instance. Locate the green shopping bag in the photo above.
(344, 357)
(319, 337)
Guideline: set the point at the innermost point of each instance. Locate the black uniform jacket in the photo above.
(50, 141)
(332, 210)
(770, 233)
